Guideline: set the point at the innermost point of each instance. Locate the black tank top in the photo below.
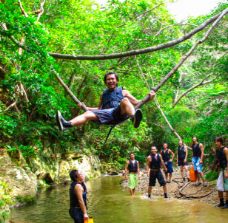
(181, 153)
(73, 197)
(131, 167)
(165, 155)
(221, 157)
(196, 150)
(155, 163)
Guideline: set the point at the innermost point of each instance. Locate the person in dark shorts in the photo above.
(78, 193)
(182, 155)
(115, 106)
(168, 161)
(153, 167)
(197, 160)
(222, 183)
(134, 175)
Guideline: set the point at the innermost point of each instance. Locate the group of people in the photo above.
(155, 161)
(116, 105)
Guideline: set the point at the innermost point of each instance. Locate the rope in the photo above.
(108, 134)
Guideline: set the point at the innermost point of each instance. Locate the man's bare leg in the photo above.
(166, 176)
(198, 176)
(131, 191)
(77, 121)
(127, 108)
(182, 172)
(81, 119)
(149, 191)
(201, 176)
(170, 176)
(187, 172)
(165, 189)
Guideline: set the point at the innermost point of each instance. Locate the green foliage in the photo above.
(211, 176)
(82, 27)
(25, 199)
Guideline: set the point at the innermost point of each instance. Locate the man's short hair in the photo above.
(154, 146)
(219, 139)
(131, 153)
(166, 143)
(73, 175)
(194, 136)
(108, 73)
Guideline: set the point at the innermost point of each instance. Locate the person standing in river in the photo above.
(78, 193)
(182, 155)
(197, 160)
(153, 167)
(134, 175)
(222, 184)
(168, 161)
(115, 105)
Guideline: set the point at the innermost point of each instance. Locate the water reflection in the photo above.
(109, 204)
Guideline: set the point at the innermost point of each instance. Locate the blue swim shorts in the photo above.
(196, 164)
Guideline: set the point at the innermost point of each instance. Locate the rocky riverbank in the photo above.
(176, 189)
(21, 178)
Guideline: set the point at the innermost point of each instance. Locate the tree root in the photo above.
(181, 188)
(198, 196)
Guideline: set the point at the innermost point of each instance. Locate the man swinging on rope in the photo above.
(115, 106)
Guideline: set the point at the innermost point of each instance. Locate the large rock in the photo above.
(22, 177)
(17, 182)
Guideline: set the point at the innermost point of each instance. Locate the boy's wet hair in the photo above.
(73, 175)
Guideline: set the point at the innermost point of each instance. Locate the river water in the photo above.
(110, 203)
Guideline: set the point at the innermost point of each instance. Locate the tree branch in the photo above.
(42, 10)
(159, 107)
(143, 13)
(23, 92)
(163, 81)
(141, 51)
(190, 51)
(170, 126)
(177, 24)
(191, 88)
(69, 91)
(23, 11)
(10, 106)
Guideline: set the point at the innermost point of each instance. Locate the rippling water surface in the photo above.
(109, 203)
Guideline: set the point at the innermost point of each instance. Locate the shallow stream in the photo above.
(110, 203)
